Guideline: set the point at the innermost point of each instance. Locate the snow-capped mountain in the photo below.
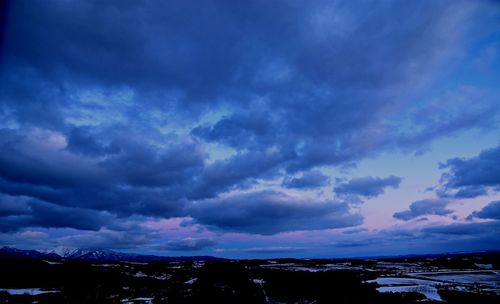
(61, 251)
(98, 255)
(94, 254)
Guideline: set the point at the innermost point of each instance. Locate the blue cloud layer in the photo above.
(114, 112)
(424, 207)
(270, 212)
(367, 186)
(490, 211)
(472, 177)
(308, 180)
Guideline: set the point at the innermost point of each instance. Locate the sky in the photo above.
(250, 129)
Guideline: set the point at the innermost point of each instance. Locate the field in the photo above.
(415, 280)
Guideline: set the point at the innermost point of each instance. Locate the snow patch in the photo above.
(52, 263)
(191, 281)
(27, 291)
(429, 292)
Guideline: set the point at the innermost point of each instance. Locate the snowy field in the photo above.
(392, 284)
(313, 268)
(26, 291)
(489, 278)
(428, 283)
(402, 281)
(429, 292)
(145, 300)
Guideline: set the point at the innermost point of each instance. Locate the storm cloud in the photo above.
(234, 115)
(270, 212)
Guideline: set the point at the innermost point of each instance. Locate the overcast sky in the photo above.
(250, 129)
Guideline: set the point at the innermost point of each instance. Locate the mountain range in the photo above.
(92, 254)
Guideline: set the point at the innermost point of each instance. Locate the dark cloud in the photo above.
(431, 239)
(239, 171)
(13, 205)
(490, 211)
(240, 130)
(148, 166)
(22, 212)
(48, 215)
(470, 192)
(471, 177)
(142, 179)
(424, 207)
(106, 238)
(279, 68)
(263, 46)
(188, 244)
(368, 186)
(114, 109)
(308, 180)
(468, 230)
(269, 212)
(35, 158)
(81, 143)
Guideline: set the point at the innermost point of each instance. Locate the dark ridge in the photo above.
(100, 255)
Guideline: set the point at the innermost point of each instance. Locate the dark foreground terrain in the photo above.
(451, 279)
